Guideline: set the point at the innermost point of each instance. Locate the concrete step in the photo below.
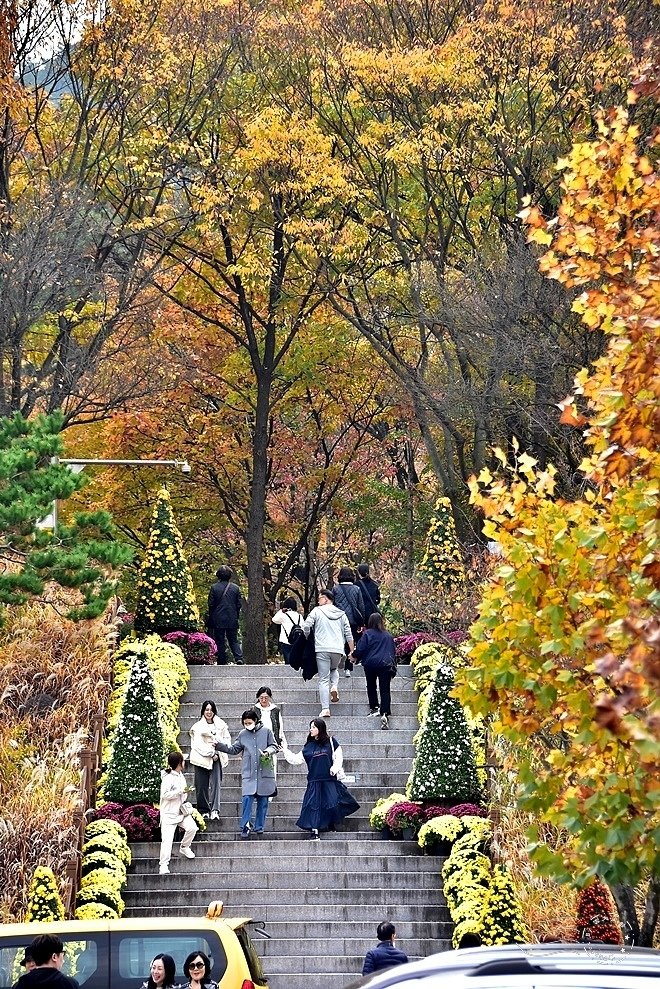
(206, 864)
(252, 900)
(319, 913)
(367, 844)
(342, 941)
(206, 883)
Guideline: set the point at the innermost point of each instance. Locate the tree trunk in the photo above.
(625, 904)
(255, 618)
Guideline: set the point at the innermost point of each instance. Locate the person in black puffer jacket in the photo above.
(370, 591)
(348, 597)
(376, 651)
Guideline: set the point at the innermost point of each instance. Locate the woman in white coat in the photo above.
(207, 762)
(172, 813)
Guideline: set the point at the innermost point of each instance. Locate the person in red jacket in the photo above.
(385, 954)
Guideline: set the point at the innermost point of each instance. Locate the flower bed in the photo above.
(140, 821)
(106, 856)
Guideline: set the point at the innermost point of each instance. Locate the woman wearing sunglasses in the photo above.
(197, 970)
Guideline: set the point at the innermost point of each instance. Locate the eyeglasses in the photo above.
(196, 965)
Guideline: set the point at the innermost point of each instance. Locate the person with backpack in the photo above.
(348, 597)
(327, 801)
(369, 589)
(332, 632)
(288, 618)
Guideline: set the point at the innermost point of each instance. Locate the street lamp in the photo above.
(76, 465)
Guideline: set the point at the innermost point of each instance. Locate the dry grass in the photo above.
(548, 908)
(55, 677)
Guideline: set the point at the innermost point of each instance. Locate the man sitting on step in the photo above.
(385, 954)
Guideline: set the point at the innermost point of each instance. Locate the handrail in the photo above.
(90, 759)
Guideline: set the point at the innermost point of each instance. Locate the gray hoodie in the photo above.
(331, 628)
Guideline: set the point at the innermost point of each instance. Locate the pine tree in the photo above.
(443, 562)
(444, 767)
(137, 745)
(165, 596)
(44, 901)
(79, 554)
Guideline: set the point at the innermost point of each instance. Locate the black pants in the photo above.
(348, 665)
(379, 680)
(232, 638)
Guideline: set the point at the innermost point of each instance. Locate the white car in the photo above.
(526, 966)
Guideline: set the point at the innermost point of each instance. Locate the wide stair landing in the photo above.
(319, 900)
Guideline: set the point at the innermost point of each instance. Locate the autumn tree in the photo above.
(566, 643)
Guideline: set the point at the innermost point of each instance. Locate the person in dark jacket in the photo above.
(370, 591)
(376, 651)
(385, 954)
(349, 598)
(47, 953)
(224, 607)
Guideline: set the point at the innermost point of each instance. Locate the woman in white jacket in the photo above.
(172, 813)
(207, 761)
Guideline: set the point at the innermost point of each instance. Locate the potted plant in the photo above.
(405, 819)
(198, 648)
(380, 809)
(438, 835)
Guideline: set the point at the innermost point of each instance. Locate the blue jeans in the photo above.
(246, 811)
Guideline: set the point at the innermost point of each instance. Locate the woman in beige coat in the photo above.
(207, 761)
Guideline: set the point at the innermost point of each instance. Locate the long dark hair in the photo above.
(210, 704)
(376, 622)
(170, 971)
(207, 965)
(322, 736)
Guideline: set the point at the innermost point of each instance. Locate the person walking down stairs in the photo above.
(327, 801)
(257, 745)
(174, 812)
(208, 764)
(331, 632)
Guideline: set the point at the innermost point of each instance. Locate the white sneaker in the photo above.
(384, 722)
(187, 853)
(163, 871)
(215, 815)
(347, 673)
(324, 714)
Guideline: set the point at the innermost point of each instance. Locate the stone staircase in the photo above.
(320, 901)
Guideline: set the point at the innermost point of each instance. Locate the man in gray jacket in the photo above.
(331, 631)
(258, 746)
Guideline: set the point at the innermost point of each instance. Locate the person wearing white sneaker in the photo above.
(175, 812)
(331, 632)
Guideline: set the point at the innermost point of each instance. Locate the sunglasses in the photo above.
(196, 965)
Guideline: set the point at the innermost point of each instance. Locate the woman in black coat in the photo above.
(224, 607)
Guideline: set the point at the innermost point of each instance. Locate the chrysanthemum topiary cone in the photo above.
(44, 901)
(165, 596)
(137, 745)
(444, 767)
(443, 562)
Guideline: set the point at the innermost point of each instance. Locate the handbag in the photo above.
(186, 808)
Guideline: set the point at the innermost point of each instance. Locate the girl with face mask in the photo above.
(257, 745)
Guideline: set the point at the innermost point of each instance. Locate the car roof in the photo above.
(128, 924)
(523, 958)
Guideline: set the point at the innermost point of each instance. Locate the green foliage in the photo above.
(137, 750)
(443, 562)
(444, 767)
(165, 595)
(80, 554)
(44, 901)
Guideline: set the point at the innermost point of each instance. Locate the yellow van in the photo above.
(116, 954)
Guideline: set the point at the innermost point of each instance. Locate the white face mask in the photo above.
(250, 727)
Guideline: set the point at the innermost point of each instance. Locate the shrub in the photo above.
(141, 821)
(468, 810)
(442, 562)
(445, 828)
(165, 595)
(44, 901)
(106, 856)
(501, 919)
(198, 648)
(404, 815)
(595, 915)
(435, 810)
(137, 746)
(444, 767)
(407, 644)
(95, 911)
(381, 807)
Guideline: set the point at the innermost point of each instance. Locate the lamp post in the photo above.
(76, 465)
